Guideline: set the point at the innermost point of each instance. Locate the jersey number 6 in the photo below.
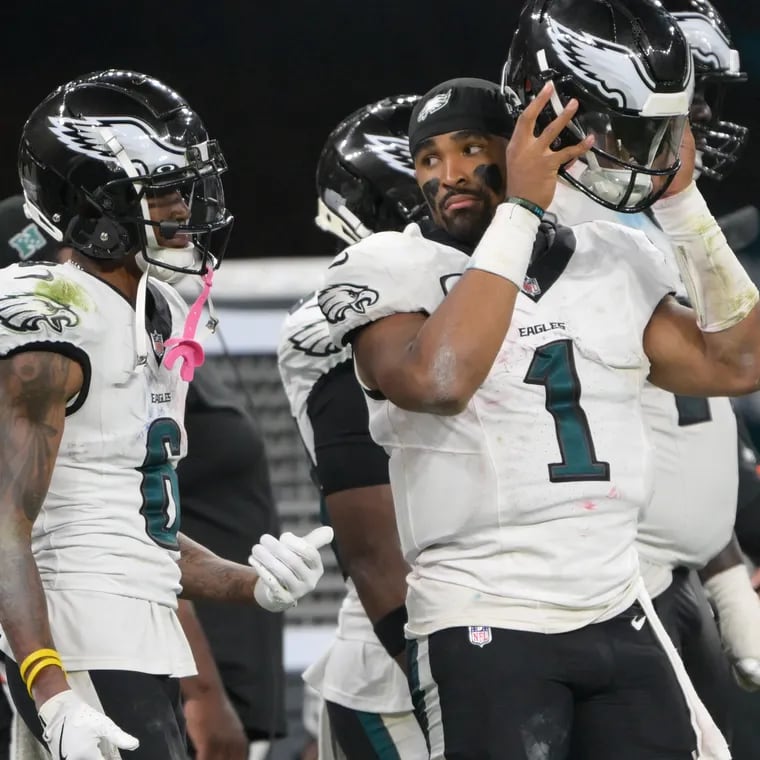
(553, 366)
(159, 487)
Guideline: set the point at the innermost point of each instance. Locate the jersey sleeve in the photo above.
(653, 275)
(42, 308)
(305, 352)
(384, 274)
(346, 456)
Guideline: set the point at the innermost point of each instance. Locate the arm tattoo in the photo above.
(33, 391)
(207, 576)
(34, 387)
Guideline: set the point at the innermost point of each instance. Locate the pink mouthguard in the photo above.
(187, 348)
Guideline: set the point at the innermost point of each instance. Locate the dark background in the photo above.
(271, 79)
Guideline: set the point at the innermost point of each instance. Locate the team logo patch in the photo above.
(314, 339)
(27, 242)
(339, 299)
(392, 151)
(531, 287)
(480, 635)
(436, 103)
(28, 312)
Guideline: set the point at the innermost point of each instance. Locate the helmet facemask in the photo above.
(194, 235)
(633, 159)
(720, 143)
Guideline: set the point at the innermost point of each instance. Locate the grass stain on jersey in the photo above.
(65, 292)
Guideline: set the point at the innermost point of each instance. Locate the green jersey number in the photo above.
(553, 366)
(159, 487)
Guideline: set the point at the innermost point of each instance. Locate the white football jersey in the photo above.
(520, 512)
(356, 671)
(108, 525)
(691, 515)
(305, 353)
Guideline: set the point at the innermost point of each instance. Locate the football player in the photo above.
(365, 183)
(690, 518)
(118, 169)
(503, 371)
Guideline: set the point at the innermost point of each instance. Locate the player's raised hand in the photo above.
(73, 730)
(532, 165)
(288, 567)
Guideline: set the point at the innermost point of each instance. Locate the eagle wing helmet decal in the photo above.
(393, 151)
(605, 66)
(88, 135)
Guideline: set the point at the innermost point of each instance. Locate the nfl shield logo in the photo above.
(158, 343)
(480, 635)
(531, 287)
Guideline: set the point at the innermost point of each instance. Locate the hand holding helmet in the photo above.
(532, 165)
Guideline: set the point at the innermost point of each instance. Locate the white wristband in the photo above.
(720, 291)
(507, 245)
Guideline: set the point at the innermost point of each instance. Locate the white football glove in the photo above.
(288, 567)
(739, 617)
(73, 730)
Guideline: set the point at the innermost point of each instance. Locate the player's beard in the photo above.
(468, 225)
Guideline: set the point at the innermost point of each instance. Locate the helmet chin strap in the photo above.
(141, 335)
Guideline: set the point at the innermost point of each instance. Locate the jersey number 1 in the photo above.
(553, 366)
(159, 487)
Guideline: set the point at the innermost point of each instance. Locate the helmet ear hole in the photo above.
(97, 236)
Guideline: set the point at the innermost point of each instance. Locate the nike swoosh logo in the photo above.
(48, 276)
(61, 756)
(638, 622)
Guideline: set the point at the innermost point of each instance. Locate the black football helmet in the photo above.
(716, 64)
(97, 152)
(631, 70)
(365, 174)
